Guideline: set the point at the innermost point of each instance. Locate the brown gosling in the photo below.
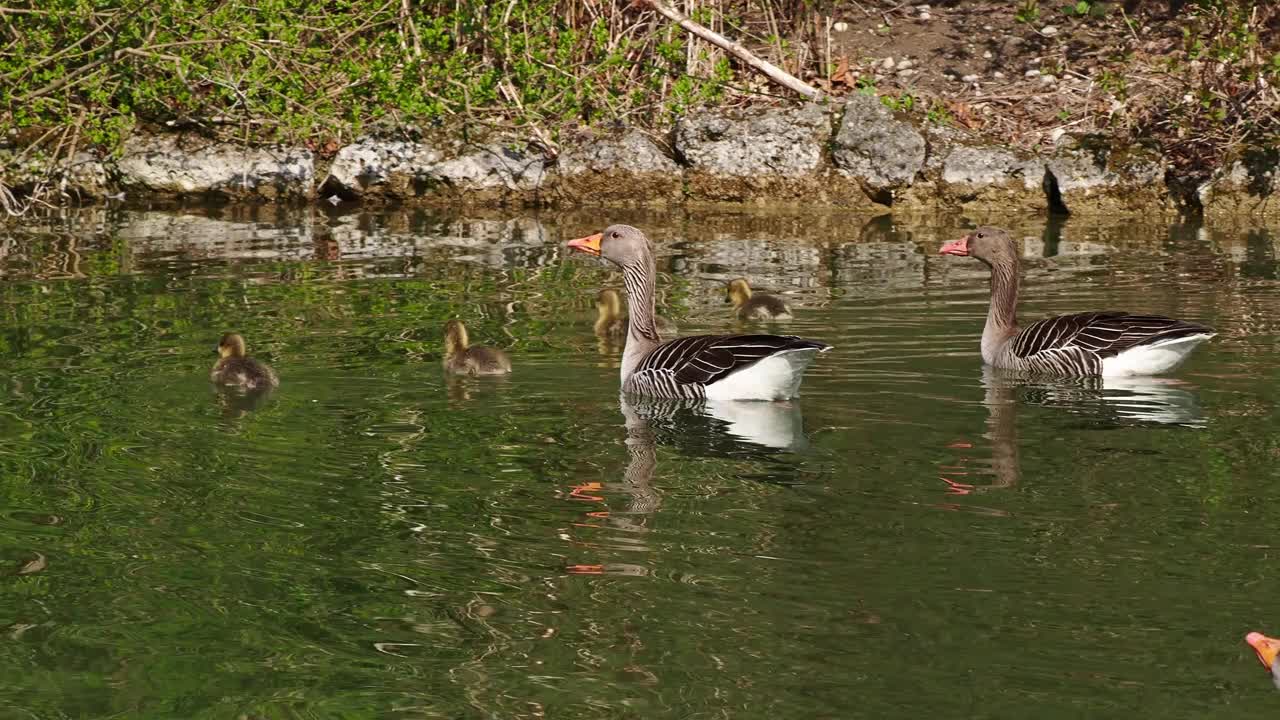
(611, 323)
(756, 306)
(461, 358)
(237, 370)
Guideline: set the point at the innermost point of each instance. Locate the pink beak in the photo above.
(589, 244)
(956, 247)
(1266, 648)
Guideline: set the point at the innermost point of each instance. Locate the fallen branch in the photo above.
(773, 72)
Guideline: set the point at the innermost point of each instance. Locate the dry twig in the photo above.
(768, 69)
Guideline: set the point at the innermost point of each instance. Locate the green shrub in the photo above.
(320, 70)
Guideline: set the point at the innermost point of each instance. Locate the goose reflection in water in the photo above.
(643, 500)
(1105, 403)
(461, 390)
(724, 428)
(236, 403)
(1101, 403)
(719, 429)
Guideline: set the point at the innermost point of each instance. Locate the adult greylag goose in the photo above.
(611, 323)
(462, 358)
(236, 370)
(1108, 344)
(748, 305)
(721, 367)
(1266, 649)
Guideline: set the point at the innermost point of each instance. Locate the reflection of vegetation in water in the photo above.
(373, 537)
(358, 536)
(385, 316)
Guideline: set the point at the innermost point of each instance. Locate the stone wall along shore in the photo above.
(857, 155)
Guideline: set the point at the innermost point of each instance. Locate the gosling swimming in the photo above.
(611, 323)
(756, 306)
(460, 358)
(235, 369)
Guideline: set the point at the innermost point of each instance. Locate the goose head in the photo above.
(622, 245)
(231, 345)
(991, 245)
(1266, 649)
(739, 291)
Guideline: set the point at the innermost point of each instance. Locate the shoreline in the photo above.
(857, 154)
(1141, 108)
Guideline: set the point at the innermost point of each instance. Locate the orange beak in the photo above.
(589, 244)
(956, 247)
(1266, 648)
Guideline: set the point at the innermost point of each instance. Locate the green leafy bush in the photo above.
(76, 72)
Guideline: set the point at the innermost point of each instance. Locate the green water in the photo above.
(377, 541)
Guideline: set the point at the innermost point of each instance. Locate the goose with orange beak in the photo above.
(1266, 648)
(712, 367)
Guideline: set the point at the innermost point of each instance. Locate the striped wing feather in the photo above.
(1104, 333)
(704, 359)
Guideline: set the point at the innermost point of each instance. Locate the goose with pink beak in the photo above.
(1108, 343)
(1266, 649)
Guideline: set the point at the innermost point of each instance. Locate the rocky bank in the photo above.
(857, 155)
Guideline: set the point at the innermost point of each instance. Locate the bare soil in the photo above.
(1025, 81)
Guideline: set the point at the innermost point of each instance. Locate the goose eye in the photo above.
(981, 235)
(613, 234)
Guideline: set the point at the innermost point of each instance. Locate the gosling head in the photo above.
(991, 245)
(622, 245)
(455, 337)
(231, 345)
(739, 291)
(608, 304)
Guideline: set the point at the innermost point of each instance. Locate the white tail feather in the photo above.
(1154, 359)
(776, 377)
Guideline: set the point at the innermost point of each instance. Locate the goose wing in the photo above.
(1102, 333)
(704, 359)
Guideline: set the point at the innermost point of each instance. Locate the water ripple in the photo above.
(377, 535)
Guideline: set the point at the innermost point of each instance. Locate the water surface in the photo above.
(914, 536)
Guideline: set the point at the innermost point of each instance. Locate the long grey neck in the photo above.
(1002, 316)
(642, 333)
